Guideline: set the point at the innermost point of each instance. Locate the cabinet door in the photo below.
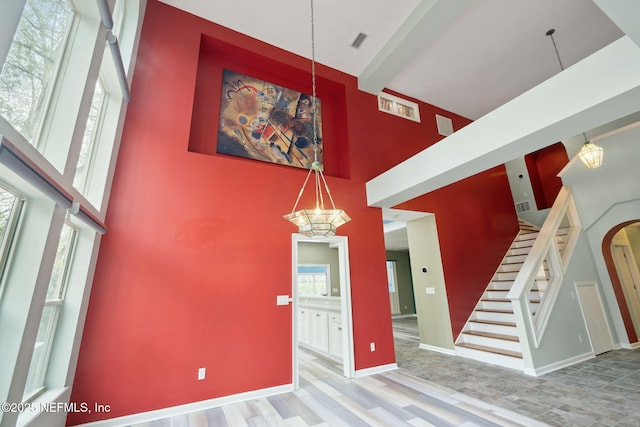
(320, 330)
(304, 326)
(335, 335)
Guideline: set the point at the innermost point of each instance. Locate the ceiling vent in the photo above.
(522, 207)
(445, 125)
(358, 41)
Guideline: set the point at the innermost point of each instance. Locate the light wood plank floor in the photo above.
(433, 389)
(326, 398)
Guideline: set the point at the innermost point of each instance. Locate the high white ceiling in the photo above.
(466, 56)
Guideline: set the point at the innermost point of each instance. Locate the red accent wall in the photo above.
(543, 167)
(476, 224)
(196, 249)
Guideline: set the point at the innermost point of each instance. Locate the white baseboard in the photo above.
(559, 365)
(375, 370)
(438, 349)
(631, 346)
(403, 316)
(202, 405)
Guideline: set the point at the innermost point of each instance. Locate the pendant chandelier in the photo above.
(590, 154)
(316, 221)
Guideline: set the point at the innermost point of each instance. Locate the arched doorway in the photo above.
(621, 252)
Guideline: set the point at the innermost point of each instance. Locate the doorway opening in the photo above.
(621, 251)
(321, 312)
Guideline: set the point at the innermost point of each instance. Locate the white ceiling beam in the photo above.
(599, 89)
(624, 13)
(428, 19)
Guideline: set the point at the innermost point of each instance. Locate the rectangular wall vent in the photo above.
(522, 207)
(445, 125)
(358, 41)
(398, 107)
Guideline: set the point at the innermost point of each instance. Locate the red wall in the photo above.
(543, 167)
(187, 277)
(476, 224)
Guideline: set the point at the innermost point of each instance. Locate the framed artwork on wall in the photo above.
(263, 121)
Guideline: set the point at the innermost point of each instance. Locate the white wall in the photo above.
(606, 197)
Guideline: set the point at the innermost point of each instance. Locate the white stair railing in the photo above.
(536, 286)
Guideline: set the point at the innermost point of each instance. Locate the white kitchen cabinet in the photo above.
(319, 325)
(335, 335)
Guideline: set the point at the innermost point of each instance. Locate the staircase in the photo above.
(490, 335)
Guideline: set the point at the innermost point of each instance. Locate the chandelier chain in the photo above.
(313, 84)
(555, 47)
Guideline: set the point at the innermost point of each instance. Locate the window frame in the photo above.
(56, 304)
(48, 97)
(11, 232)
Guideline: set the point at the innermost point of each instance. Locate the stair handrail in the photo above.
(545, 247)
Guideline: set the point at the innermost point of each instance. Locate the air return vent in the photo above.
(445, 125)
(398, 107)
(358, 41)
(522, 207)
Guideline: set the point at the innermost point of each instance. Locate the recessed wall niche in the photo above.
(216, 55)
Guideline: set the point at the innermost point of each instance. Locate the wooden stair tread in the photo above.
(493, 322)
(493, 310)
(495, 300)
(493, 335)
(493, 350)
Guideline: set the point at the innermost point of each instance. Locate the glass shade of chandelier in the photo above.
(316, 221)
(590, 154)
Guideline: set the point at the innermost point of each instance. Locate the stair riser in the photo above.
(496, 305)
(494, 359)
(502, 286)
(523, 244)
(492, 342)
(518, 251)
(515, 258)
(493, 294)
(499, 317)
(495, 329)
(504, 268)
(510, 275)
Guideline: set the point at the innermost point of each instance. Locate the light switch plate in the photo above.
(282, 300)
(431, 291)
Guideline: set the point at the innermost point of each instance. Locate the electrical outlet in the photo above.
(372, 346)
(202, 372)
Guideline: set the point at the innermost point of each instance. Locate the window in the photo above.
(50, 59)
(51, 312)
(31, 67)
(398, 107)
(10, 208)
(391, 276)
(89, 138)
(313, 280)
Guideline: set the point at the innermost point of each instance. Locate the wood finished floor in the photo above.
(433, 389)
(326, 398)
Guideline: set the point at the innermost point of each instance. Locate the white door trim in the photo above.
(342, 244)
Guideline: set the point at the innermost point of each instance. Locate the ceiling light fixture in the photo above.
(317, 221)
(590, 154)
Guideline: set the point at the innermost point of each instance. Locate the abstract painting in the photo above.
(263, 121)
